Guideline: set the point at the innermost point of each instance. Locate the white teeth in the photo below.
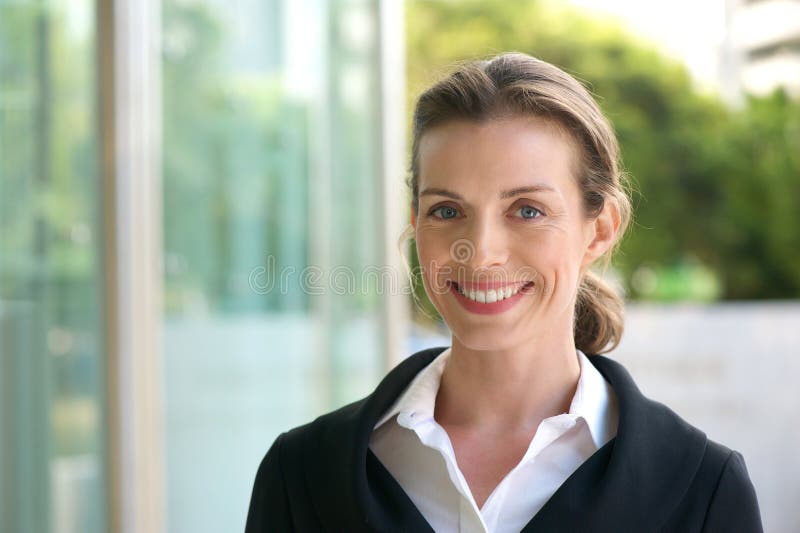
(490, 296)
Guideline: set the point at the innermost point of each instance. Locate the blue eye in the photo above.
(529, 212)
(446, 212)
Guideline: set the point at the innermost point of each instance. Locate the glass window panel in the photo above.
(51, 370)
(270, 174)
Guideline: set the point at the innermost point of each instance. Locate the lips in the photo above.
(471, 301)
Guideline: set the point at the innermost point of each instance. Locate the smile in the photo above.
(490, 301)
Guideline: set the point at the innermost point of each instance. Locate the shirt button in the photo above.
(406, 419)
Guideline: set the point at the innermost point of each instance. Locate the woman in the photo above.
(519, 424)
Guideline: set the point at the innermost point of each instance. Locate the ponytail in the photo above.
(599, 316)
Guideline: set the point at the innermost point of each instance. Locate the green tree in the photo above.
(703, 176)
(757, 236)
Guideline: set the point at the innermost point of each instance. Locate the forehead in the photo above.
(496, 154)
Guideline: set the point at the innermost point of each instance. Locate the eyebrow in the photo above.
(511, 193)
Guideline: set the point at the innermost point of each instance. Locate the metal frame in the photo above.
(391, 69)
(130, 131)
(319, 245)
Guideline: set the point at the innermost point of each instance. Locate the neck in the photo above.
(512, 387)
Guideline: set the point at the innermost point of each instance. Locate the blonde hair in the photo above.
(518, 84)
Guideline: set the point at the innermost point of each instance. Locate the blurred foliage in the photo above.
(243, 147)
(47, 151)
(49, 232)
(715, 189)
(231, 138)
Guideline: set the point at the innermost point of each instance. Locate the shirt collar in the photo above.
(592, 400)
(415, 405)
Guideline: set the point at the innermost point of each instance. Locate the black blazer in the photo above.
(658, 474)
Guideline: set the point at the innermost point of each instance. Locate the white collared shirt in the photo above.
(418, 453)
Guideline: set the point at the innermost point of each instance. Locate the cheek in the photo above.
(433, 246)
(432, 252)
(556, 256)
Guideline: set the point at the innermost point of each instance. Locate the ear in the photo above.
(413, 216)
(602, 232)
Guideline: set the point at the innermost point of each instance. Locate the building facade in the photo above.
(762, 47)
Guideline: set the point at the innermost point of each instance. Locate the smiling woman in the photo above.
(519, 424)
(527, 226)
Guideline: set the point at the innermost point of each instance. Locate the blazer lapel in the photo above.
(653, 446)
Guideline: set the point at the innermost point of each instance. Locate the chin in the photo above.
(484, 339)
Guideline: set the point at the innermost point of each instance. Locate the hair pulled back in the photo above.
(517, 84)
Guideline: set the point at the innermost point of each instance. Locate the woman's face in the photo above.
(500, 218)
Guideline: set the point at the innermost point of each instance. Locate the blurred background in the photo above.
(200, 202)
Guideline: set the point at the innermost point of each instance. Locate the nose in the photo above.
(484, 245)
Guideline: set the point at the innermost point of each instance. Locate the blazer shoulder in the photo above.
(721, 496)
(359, 414)
(717, 452)
(286, 491)
(734, 504)
(269, 501)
